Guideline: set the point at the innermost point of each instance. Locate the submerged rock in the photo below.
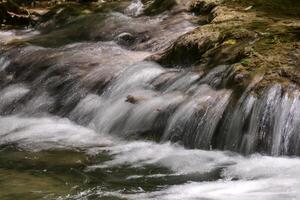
(125, 39)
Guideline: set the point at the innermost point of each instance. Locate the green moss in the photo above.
(246, 61)
(200, 7)
(258, 25)
(275, 7)
(158, 6)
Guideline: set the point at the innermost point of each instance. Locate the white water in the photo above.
(175, 104)
(38, 134)
(254, 177)
(14, 35)
(184, 109)
(135, 8)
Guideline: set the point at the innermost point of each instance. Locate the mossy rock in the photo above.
(189, 48)
(60, 15)
(201, 7)
(277, 8)
(253, 43)
(63, 14)
(158, 6)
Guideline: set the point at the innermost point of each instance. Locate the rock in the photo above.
(203, 6)
(239, 77)
(59, 15)
(189, 48)
(134, 99)
(224, 14)
(238, 37)
(125, 39)
(158, 6)
(12, 14)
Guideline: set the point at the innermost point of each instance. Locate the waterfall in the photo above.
(87, 113)
(135, 98)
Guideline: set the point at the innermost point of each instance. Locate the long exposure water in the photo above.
(85, 116)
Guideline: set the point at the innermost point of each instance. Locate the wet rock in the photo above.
(239, 38)
(134, 99)
(239, 77)
(203, 6)
(60, 15)
(189, 48)
(158, 6)
(164, 79)
(64, 13)
(125, 39)
(100, 27)
(2, 78)
(222, 41)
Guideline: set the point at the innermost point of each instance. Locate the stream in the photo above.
(86, 115)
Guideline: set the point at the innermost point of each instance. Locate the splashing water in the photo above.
(77, 106)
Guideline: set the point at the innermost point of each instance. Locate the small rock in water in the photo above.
(125, 38)
(239, 77)
(133, 99)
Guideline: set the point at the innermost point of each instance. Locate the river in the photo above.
(85, 114)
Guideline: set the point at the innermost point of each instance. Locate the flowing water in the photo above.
(84, 115)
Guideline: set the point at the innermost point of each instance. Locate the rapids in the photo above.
(85, 114)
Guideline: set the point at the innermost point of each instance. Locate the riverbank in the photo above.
(254, 41)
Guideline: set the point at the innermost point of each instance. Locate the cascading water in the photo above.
(73, 116)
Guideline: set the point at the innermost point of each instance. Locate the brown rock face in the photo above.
(253, 42)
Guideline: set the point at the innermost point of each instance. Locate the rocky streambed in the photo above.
(151, 100)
